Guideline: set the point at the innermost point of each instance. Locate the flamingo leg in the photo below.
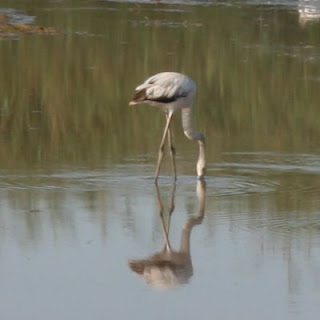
(161, 147)
(172, 152)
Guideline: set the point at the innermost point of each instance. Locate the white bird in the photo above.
(172, 91)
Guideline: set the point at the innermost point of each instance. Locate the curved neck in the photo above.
(188, 127)
(194, 135)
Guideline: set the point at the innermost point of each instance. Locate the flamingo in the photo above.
(172, 91)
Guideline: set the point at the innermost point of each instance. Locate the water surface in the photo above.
(79, 212)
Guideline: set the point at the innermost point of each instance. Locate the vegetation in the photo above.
(63, 98)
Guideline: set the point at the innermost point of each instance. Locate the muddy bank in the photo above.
(9, 29)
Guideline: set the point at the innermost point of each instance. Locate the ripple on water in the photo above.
(249, 172)
(245, 173)
(271, 161)
(237, 185)
(77, 179)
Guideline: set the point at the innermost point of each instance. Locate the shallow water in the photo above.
(80, 216)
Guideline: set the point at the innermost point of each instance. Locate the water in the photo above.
(81, 234)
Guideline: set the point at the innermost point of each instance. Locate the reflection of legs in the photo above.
(164, 229)
(165, 233)
(161, 148)
(172, 152)
(172, 206)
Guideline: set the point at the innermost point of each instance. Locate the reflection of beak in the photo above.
(201, 187)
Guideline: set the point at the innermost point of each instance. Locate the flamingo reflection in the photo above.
(169, 268)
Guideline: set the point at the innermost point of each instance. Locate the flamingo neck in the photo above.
(188, 127)
(194, 135)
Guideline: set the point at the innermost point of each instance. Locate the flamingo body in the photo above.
(169, 90)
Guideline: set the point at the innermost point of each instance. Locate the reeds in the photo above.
(63, 98)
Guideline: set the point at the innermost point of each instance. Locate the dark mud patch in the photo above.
(10, 26)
